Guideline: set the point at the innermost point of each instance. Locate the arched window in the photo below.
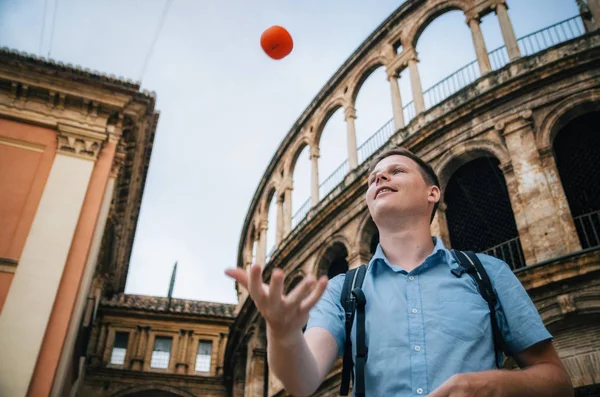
(479, 212)
(334, 261)
(577, 153)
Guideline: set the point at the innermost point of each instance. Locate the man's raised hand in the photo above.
(284, 314)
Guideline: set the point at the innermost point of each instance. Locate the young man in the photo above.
(427, 331)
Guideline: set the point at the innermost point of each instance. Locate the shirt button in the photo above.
(411, 278)
(414, 310)
(417, 348)
(419, 391)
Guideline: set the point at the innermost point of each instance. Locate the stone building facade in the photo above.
(148, 346)
(74, 152)
(514, 139)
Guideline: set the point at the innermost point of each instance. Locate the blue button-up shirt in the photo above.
(426, 325)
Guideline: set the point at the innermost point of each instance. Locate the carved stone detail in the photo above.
(78, 142)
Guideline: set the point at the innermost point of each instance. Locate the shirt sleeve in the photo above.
(518, 318)
(328, 313)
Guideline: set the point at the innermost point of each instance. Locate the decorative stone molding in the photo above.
(350, 112)
(77, 142)
(315, 152)
(515, 122)
(8, 265)
(566, 303)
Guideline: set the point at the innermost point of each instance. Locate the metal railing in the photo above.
(551, 36)
(529, 44)
(499, 58)
(370, 146)
(451, 84)
(301, 213)
(334, 179)
(588, 229)
(510, 252)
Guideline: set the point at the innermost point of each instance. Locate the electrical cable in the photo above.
(43, 27)
(155, 39)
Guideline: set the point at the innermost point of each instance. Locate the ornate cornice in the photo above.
(79, 142)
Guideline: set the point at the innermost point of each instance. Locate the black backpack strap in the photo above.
(354, 280)
(473, 266)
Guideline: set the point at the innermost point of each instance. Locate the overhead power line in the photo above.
(52, 29)
(155, 39)
(43, 27)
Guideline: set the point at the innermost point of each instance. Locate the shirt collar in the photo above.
(439, 254)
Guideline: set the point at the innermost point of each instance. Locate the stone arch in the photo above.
(329, 110)
(152, 387)
(466, 151)
(332, 249)
(365, 71)
(272, 189)
(367, 230)
(565, 111)
(429, 14)
(293, 279)
(295, 152)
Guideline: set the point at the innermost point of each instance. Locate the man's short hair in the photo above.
(425, 169)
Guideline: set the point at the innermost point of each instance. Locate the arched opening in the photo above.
(374, 112)
(272, 225)
(334, 261)
(301, 176)
(447, 59)
(577, 152)
(333, 153)
(479, 212)
(368, 239)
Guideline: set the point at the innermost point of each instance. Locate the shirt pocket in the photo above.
(463, 316)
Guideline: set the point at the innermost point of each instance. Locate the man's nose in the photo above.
(382, 177)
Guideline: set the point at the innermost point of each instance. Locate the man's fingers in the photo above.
(255, 287)
(300, 291)
(239, 275)
(276, 288)
(314, 296)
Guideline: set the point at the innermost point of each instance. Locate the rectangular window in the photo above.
(119, 348)
(203, 357)
(161, 352)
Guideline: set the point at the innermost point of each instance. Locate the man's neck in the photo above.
(406, 248)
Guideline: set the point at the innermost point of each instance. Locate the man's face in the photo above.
(396, 187)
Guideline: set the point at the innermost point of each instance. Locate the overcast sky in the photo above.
(225, 106)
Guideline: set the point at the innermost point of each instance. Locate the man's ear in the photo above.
(434, 194)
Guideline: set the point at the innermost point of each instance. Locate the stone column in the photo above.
(182, 365)
(38, 276)
(279, 235)
(508, 33)
(90, 268)
(350, 114)
(439, 226)
(396, 100)
(536, 213)
(314, 180)
(255, 368)
(261, 250)
(98, 356)
(239, 375)
(415, 85)
(594, 6)
(563, 212)
(287, 219)
(482, 56)
(137, 362)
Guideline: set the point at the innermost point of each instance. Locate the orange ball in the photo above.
(276, 42)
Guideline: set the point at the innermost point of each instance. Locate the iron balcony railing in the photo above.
(551, 36)
(451, 84)
(510, 252)
(468, 74)
(588, 229)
